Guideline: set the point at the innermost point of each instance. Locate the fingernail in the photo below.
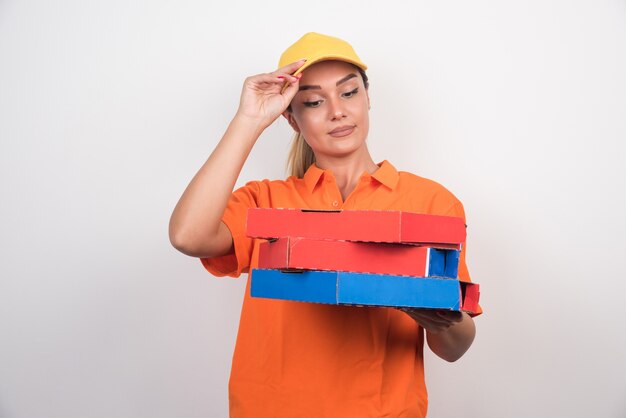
(281, 77)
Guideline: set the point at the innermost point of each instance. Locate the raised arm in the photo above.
(195, 226)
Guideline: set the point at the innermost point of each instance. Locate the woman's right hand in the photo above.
(266, 96)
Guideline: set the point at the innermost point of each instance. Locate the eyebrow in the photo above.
(316, 87)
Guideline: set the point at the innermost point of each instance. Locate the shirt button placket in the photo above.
(333, 194)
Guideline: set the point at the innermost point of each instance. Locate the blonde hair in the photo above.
(300, 156)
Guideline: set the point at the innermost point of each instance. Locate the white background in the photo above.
(107, 109)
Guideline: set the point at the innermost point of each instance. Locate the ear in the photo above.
(367, 94)
(292, 121)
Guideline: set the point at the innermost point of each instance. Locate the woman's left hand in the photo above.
(434, 321)
(449, 333)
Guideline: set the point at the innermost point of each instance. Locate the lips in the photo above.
(342, 131)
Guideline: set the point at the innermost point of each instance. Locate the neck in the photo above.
(348, 169)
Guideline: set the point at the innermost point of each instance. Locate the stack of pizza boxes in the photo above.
(360, 257)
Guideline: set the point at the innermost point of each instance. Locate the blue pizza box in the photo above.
(348, 288)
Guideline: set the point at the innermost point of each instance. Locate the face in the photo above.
(331, 109)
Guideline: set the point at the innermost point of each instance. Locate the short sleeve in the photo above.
(238, 260)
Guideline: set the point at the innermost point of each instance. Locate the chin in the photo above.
(340, 152)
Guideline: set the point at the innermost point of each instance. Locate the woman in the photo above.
(311, 360)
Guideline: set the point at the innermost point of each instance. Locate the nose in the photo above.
(338, 115)
(336, 110)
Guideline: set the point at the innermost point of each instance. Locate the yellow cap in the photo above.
(315, 47)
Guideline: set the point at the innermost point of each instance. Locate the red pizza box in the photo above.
(470, 297)
(357, 225)
(362, 257)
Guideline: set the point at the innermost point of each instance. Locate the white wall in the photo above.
(108, 108)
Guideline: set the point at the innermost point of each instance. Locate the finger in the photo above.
(291, 68)
(433, 326)
(282, 74)
(427, 318)
(275, 78)
(434, 321)
(435, 315)
(287, 77)
(452, 316)
(437, 329)
(290, 88)
(263, 81)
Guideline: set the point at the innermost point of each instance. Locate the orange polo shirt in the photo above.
(303, 360)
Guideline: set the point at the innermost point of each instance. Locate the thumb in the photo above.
(289, 90)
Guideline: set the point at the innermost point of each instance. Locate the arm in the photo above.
(449, 333)
(195, 225)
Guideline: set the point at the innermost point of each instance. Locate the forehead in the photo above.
(327, 73)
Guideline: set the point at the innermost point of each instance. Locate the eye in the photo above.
(315, 103)
(350, 93)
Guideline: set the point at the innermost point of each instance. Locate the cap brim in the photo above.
(312, 61)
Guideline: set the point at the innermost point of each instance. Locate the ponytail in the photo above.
(300, 156)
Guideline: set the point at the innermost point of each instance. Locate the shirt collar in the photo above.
(386, 175)
(312, 177)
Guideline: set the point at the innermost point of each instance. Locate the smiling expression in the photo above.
(331, 109)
